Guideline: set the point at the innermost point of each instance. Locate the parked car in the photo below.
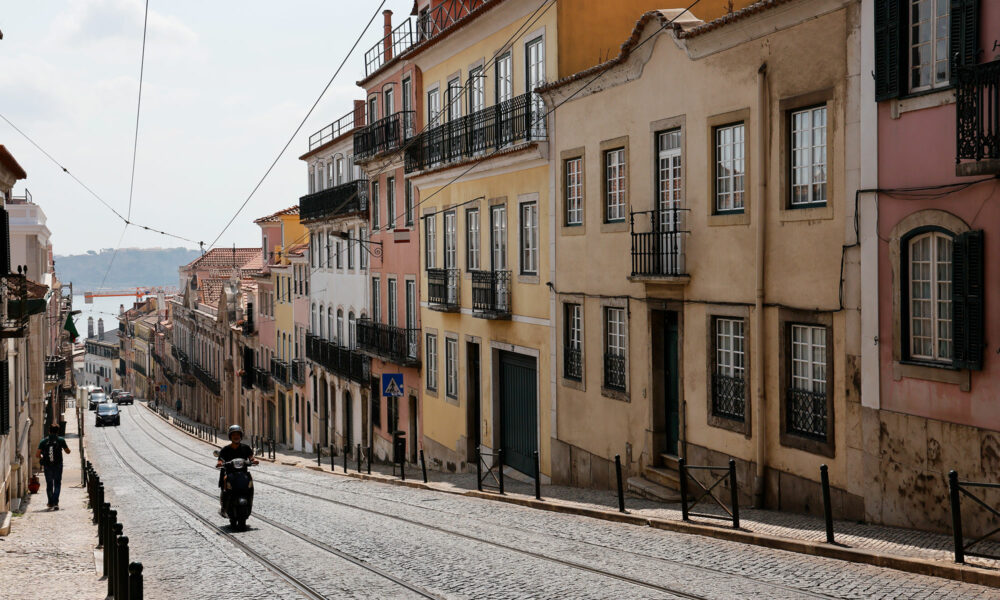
(114, 394)
(96, 399)
(107, 414)
(124, 398)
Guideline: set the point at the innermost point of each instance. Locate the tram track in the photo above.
(572, 564)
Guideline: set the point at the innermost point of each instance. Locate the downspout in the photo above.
(758, 365)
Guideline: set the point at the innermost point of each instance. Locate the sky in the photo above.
(225, 84)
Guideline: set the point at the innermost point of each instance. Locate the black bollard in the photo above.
(423, 465)
(319, 456)
(500, 468)
(359, 457)
(345, 459)
(734, 494)
(135, 581)
(682, 472)
(824, 478)
(333, 461)
(100, 501)
(370, 455)
(956, 516)
(538, 478)
(402, 468)
(479, 471)
(112, 545)
(618, 476)
(121, 591)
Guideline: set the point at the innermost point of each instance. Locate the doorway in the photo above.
(412, 411)
(519, 411)
(666, 363)
(472, 407)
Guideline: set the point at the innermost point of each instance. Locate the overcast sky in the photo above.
(225, 84)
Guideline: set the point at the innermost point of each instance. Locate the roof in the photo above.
(223, 257)
(110, 337)
(7, 160)
(210, 290)
(274, 217)
(252, 266)
(296, 250)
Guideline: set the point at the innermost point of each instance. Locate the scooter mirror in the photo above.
(215, 453)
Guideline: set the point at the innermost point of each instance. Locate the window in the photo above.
(352, 331)
(449, 240)
(574, 191)
(409, 202)
(477, 90)
(363, 249)
(614, 348)
(433, 108)
(376, 300)
(614, 185)
(341, 340)
(375, 207)
(387, 102)
(372, 110)
(930, 294)
(339, 254)
(729, 153)
(728, 379)
(330, 331)
(454, 99)
(498, 237)
(472, 239)
(408, 108)
(430, 241)
(534, 57)
(391, 299)
(806, 411)
(330, 249)
(929, 44)
(573, 350)
(312, 250)
(390, 202)
(412, 335)
(312, 179)
(504, 82)
(529, 238)
(808, 155)
(340, 170)
(451, 367)
(431, 351)
(352, 247)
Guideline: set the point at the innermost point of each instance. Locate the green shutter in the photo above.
(888, 53)
(964, 35)
(967, 300)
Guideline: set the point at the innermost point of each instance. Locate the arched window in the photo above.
(329, 324)
(320, 324)
(929, 305)
(312, 322)
(340, 328)
(352, 330)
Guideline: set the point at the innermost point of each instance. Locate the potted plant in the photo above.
(33, 484)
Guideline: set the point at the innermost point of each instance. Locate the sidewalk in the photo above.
(50, 554)
(905, 549)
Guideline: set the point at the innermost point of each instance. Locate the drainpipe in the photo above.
(759, 401)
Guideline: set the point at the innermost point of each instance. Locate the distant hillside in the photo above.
(133, 267)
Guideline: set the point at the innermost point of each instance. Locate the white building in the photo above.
(101, 359)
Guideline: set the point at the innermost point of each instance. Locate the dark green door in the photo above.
(672, 384)
(519, 411)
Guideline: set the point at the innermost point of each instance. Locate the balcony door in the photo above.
(669, 197)
(534, 56)
(411, 319)
(407, 99)
(450, 259)
(498, 237)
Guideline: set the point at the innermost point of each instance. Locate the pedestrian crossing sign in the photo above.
(392, 385)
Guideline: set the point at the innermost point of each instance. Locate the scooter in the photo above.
(238, 487)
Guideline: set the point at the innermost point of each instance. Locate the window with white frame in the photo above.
(534, 58)
(806, 408)
(341, 340)
(929, 28)
(430, 353)
(434, 107)
(498, 237)
(573, 184)
(363, 249)
(376, 300)
(390, 202)
(391, 301)
(573, 350)
(454, 99)
(614, 185)
(352, 247)
(375, 207)
(477, 90)
(430, 241)
(409, 202)
(729, 168)
(504, 89)
(450, 240)
(728, 378)
(529, 238)
(808, 155)
(352, 331)
(614, 348)
(472, 239)
(930, 289)
(338, 252)
(451, 367)
(388, 102)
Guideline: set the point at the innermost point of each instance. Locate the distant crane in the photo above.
(137, 293)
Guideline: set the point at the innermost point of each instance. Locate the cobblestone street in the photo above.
(340, 537)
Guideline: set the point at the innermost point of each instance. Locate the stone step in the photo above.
(670, 462)
(647, 489)
(668, 478)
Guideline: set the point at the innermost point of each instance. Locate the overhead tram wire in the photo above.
(138, 106)
(113, 256)
(301, 124)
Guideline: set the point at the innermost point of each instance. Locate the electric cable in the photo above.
(138, 106)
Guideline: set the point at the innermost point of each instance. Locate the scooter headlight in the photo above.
(239, 463)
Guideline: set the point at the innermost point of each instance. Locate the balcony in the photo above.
(246, 325)
(572, 363)
(807, 413)
(332, 131)
(298, 371)
(728, 396)
(443, 289)
(491, 294)
(139, 368)
(207, 379)
(977, 112)
(14, 289)
(392, 344)
(385, 135)
(281, 372)
(343, 199)
(55, 368)
(398, 41)
(344, 362)
(614, 371)
(658, 248)
(508, 123)
(262, 380)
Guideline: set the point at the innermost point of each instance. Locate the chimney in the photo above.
(359, 113)
(387, 40)
(90, 327)
(100, 328)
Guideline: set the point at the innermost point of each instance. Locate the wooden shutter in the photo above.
(889, 52)
(967, 300)
(4, 397)
(964, 35)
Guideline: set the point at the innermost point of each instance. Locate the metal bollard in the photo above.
(112, 545)
(359, 458)
(824, 478)
(121, 555)
(734, 494)
(333, 459)
(500, 468)
(618, 476)
(345, 459)
(682, 470)
(423, 465)
(319, 456)
(135, 581)
(479, 470)
(370, 455)
(538, 481)
(100, 502)
(956, 516)
(402, 468)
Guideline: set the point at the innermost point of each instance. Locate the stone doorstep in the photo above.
(653, 491)
(5, 523)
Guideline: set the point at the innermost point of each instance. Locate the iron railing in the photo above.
(397, 345)
(345, 362)
(281, 371)
(342, 199)
(55, 368)
(977, 112)
(658, 252)
(262, 379)
(614, 371)
(299, 371)
(398, 41)
(512, 121)
(806, 413)
(332, 131)
(728, 396)
(246, 378)
(207, 379)
(728, 478)
(138, 367)
(572, 363)
(491, 294)
(962, 549)
(385, 135)
(443, 288)
(247, 325)
(14, 290)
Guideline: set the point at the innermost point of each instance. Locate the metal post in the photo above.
(500, 468)
(734, 494)
(135, 581)
(479, 470)
(538, 480)
(423, 465)
(681, 467)
(956, 516)
(345, 459)
(402, 468)
(112, 545)
(319, 456)
(121, 593)
(618, 477)
(824, 478)
(333, 459)
(100, 501)
(359, 457)
(370, 454)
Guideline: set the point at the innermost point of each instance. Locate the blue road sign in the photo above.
(392, 385)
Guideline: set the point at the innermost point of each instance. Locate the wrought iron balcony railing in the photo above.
(519, 119)
(207, 379)
(332, 131)
(139, 368)
(491, 294)
(385, 135)
(299, 371)
(347, 363)
(443, 289)
(729, 397)
(806, 413)
(342, 199)
(281, 372)
(977, 111)
(262, 379)
(393, 344)
(572, 363)
(658, 251)
(55, 368)
(398, 41)
(14, 291)
(247, 326)
(614, 371)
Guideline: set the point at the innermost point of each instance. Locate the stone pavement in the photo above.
(883, 541)
(50, 554)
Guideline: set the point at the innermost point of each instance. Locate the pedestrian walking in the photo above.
(50, 451)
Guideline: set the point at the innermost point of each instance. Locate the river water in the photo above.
(102, 308)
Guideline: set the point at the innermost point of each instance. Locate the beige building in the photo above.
(705, 282)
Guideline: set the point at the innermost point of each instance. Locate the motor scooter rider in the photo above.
(234, 449)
